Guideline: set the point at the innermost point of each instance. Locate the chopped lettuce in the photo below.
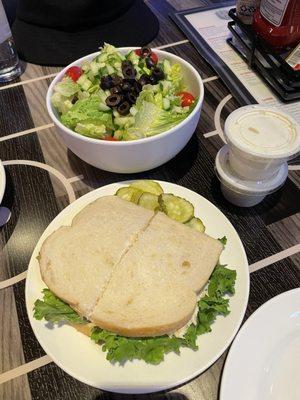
(175, 76)
(67, 87)
(151, 120)
(87, 110)
(94, 129)
(152, 350)
(52, 309)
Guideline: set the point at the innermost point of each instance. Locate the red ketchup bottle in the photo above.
(277, 22)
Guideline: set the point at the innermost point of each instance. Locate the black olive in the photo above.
(131, 97)
(126, 86)
(144, 80)
(106, 82)
(129, 73)
(75, 98)
(145, 52)
(117, 80)
(136, 87)
(113, 100)
(158, 73)
(126, 63)
(149, 63)
(124, 108)
(153, 80)
(116, 90)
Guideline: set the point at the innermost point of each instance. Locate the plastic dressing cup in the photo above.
(260, 140)
(243, 192)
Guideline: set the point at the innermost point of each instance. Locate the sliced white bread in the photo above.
(152, 291)
(191, 254)
(143, 298)
(77, 261)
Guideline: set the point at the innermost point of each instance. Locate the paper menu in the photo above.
(212, 26)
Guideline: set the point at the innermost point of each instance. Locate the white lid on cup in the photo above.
(243, 186)
(263, 132)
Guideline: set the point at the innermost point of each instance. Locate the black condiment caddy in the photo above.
(272, 67)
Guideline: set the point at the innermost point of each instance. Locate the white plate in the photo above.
(80, 357)
(2, 181)
(264, 360)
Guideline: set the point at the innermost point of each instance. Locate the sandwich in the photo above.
(132, 274)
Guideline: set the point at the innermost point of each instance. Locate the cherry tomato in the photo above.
(111, 139)
(153, 56)
(186, 99)
(74, 73)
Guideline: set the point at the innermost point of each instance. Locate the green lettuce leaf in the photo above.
(176, 77)
(93, 129)
(120, 349)
(87, 110)
(222, 281)
(52, 309)
(151, 120)
(223, 240)
(67, 87)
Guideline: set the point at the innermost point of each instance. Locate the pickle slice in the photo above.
(176, 207)
(149, 200)
(130, 194)
(197, 224)
(147, 186)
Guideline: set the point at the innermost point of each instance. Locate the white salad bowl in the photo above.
(136, 155)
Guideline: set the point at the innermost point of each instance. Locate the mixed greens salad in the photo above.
(122, 97)
(214, 300)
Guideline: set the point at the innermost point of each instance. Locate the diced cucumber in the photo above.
(166, 66)
(176, 207)
(158, 98)
(84, 82)
(124, 121)
(83, 95)
(166, 87)
(66, 106)
(93, 88)
(133, 111)
(110, 69)
(146, 71)
(94, 67)
(197, 224)
(117, 65)
(166, 103)
(133, 57)
(103, 107)
(90, 75)
(85, 66)
(147, 186)
(130, 194)
(149, 200)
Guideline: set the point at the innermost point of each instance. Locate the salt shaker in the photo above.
(9, 61)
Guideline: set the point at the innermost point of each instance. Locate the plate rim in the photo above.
(244, 328)
(139, 389)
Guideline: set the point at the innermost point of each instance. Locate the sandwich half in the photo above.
(77, 261)
(127, 269)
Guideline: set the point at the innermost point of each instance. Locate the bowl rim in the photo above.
(74, 134)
